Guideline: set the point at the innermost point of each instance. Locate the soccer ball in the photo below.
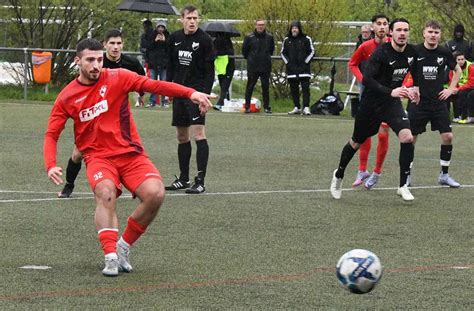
(359, 270)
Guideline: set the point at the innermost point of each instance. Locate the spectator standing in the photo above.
(297, 52)
(365, 34)
(460, 100)
(145, 39)
(257, 49)
(459, 43)
(224, 48)
(158, 57)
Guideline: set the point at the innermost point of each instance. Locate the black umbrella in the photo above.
(150, 6)
(213, 28)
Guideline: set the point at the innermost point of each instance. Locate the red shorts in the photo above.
(129, 169)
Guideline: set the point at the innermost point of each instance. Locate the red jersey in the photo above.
(360, 55)
(103, 122)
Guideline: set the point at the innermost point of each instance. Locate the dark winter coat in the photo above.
(257, 50)
(297, 53)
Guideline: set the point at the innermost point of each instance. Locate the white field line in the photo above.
(88, 195)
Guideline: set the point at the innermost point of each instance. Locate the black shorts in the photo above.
(186, 113)
(435, 113)
(371, 114)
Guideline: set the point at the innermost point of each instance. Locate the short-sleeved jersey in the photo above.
(191, 60)
(103, 122)
(431, 66)
(386, 70)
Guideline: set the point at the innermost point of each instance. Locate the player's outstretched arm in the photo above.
(203, 100)
(54, 174)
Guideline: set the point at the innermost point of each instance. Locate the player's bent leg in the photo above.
(151, 193)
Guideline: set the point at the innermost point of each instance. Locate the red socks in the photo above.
(108, 240)
(382, 149)
(364, 151)
(133, 231)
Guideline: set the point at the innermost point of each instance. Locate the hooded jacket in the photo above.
(158, 51)
(258, 49)
(297, 53)
(462, 45)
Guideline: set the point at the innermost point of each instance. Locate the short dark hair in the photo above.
(147, 23)
(433, 24)
(377, 16)
(112, 34)
(458, 53)
(398, 20)
(88, 44)
(188, 9)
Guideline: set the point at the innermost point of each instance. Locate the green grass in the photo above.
(267, 234)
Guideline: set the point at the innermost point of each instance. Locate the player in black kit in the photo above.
(431, 63)
(383, 78)
(113, 58)
(191, 64)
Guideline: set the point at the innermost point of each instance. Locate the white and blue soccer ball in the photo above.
(359, 270)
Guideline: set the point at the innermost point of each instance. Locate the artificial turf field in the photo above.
(265, 235)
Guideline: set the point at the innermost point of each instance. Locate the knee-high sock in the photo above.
(133, 231)
(202, 156)
(364, 151)
(406, 158)
(445, 157)
(72, 171)
(184, 156)
(382, 149)
(346, 157)
(108, 240)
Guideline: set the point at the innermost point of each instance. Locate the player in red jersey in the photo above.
(106, 135)
(356, 65)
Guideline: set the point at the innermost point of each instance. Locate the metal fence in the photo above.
(23, 56)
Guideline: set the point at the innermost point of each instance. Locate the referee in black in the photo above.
(191, 64)
(431, 62)
(113, 58)
(380, 102)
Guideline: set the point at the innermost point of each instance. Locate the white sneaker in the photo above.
(446, 180)
(336, 186)
(123, 253)
(295, 110)
(306, 111)
(137, 104)
(405, 193)
(111, 265)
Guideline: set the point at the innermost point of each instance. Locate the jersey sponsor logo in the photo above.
(440, 60)
(392, 62)
(185, 57)
(195, 46)
(410, 60)
(177, 43)
(102, 90)
(430, 69)
(94, 111)
(401, 71)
